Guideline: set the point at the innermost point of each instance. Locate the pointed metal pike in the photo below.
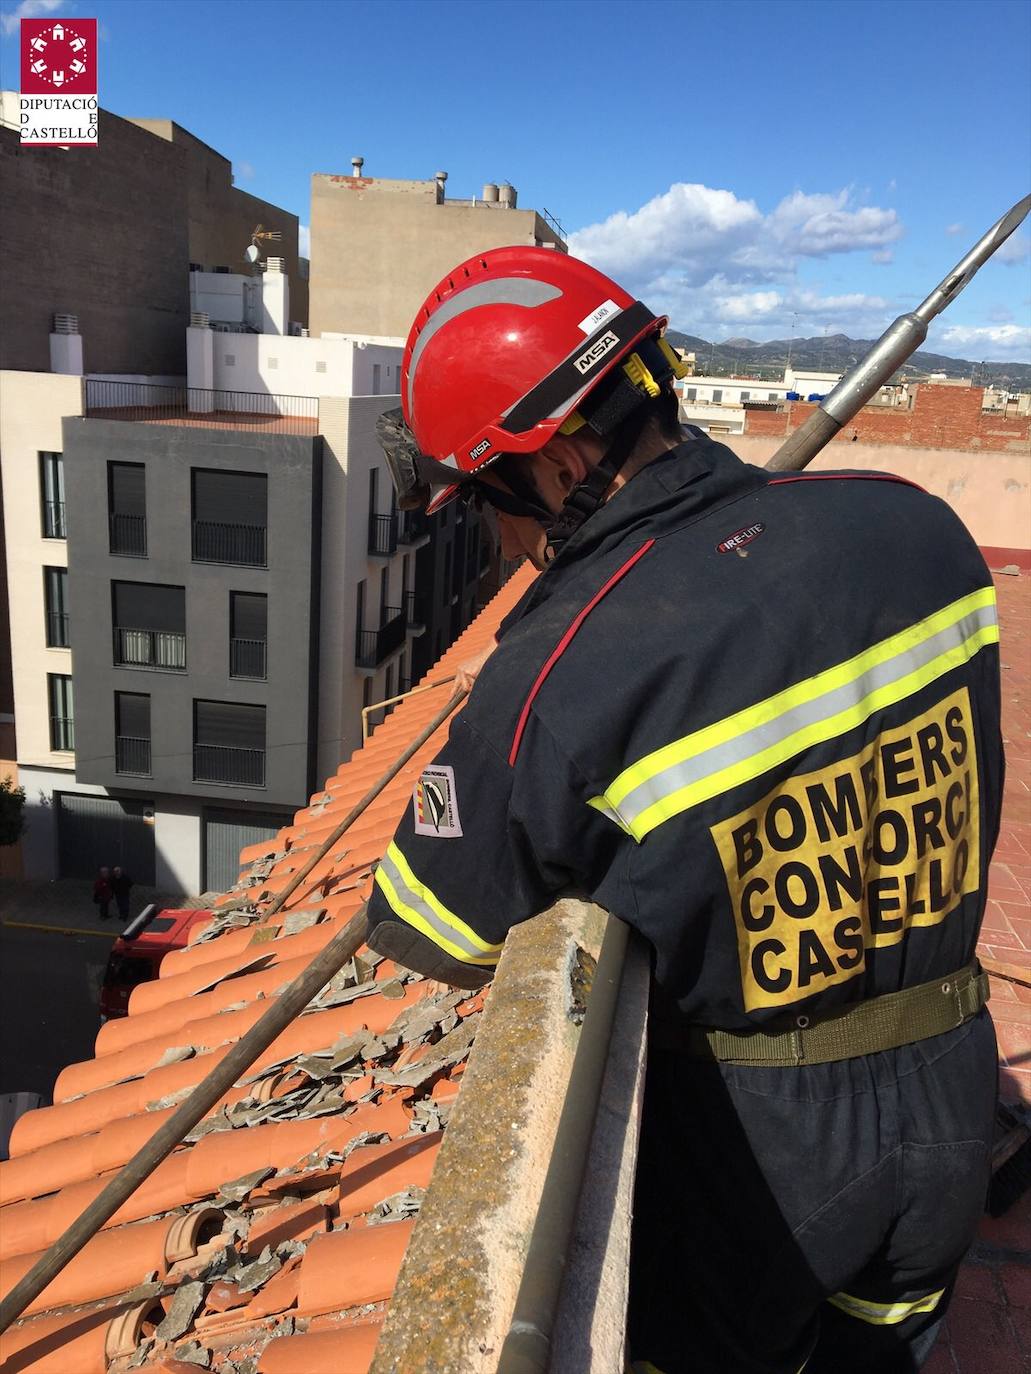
(891, 350)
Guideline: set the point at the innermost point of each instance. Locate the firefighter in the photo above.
(757, 718)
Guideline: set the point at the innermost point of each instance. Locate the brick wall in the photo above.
(942, 417)
(100, 233)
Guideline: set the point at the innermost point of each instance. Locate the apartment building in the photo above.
(209, 583)
(380, 245)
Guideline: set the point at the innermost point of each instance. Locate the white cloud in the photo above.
(304, 240)
(995, 342)
(243, 171)
(954, 228)
(28, 9)
(1016, 248)
(716, 263)
(882, 257)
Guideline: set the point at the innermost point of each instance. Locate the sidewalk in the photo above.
(66, 906)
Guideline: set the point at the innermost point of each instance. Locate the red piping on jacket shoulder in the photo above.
(845, 477)
(564, 643)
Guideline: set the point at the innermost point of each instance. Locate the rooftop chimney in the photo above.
(440, 178)
(357, 163)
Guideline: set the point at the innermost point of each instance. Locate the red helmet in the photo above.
(506, 347)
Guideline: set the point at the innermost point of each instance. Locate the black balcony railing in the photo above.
(223, 763)
(57, 630)
(214, 541)
(62, 732)
(382, 534)
(411, 527)
(164, 649)
(214, 408)
(128, 535)
(53, 520)
(415, 614)
(376, 645)
(247, 658)
(132, 755)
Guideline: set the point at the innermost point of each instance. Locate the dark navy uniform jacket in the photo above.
(754, 716)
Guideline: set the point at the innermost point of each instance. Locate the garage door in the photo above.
(226, 833)
(96, 831)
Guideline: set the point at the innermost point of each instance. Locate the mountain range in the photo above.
(835, 353)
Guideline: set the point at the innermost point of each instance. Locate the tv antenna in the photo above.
(258, 237)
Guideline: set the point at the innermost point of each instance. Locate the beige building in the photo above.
(380, 246)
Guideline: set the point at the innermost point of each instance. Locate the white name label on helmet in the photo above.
(593, 355)
(594, 319)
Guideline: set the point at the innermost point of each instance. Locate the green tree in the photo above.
(12, 811)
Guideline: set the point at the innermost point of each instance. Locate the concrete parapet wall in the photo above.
(456, 1292)
(989, 491)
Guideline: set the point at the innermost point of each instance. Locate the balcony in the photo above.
(375, 646)
(214, 541)
(132, 756)
(415, 614)
(382, 535)
(128, 535)
(164, 650)
(223, 763)
(57, 630)
(142, 402)
(412, 529)
(62, 733)
(54, 526)
(247, 658)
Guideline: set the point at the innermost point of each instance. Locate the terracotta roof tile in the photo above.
(291, 1200)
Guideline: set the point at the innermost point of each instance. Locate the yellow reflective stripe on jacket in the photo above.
(884, 1313)
(741, 747)
(413, 901)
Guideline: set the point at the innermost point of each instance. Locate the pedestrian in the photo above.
(103, 892)
(122, 885)
(756, 717)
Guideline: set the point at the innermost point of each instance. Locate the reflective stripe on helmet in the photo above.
(503, 291)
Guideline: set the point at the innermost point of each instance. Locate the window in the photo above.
(51, 483)
(376, 379)
(222, 269)
(774, 396)
(320, 367)
(230, 359)
(229, 743)
(746, 395)
(248, 634)
(691, 394)
(149, 625)
(127, 509)
(230, 517)
(62, 712)
(717, 396)
(132, 733)
(55, 587)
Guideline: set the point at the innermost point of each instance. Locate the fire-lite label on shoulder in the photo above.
(850, 857)
(436, 803)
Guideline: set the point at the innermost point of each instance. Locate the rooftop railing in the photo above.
(211, 407)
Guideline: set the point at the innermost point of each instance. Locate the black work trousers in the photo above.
(810, 1218)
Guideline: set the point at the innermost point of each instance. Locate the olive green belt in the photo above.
(882, 1023)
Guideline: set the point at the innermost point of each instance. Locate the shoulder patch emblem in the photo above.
(436, 803)
(740, 538)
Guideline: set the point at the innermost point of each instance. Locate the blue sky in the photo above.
(749, 167)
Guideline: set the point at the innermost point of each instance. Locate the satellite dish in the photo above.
(253, 253)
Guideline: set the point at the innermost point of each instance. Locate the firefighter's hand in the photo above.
(469, 671)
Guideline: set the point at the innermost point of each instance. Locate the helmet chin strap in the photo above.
(588, 495)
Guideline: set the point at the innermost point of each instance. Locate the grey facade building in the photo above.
(193, 613)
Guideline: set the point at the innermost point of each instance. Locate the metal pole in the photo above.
(370, 796)
(890, 351)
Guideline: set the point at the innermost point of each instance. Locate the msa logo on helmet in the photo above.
(481, 447)
(593, 355)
